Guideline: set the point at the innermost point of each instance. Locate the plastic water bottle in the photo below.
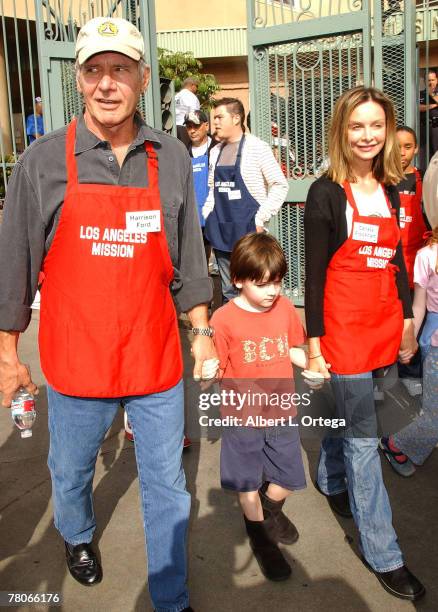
(23, 412)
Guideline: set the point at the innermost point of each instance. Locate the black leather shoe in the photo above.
(339, 503)
(400, 583)
(83, 564)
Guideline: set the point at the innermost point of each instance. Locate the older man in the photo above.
(111, 235)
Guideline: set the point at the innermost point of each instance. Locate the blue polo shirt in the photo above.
(30, 126)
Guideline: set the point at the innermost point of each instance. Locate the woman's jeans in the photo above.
(77, 430)
(352, 463)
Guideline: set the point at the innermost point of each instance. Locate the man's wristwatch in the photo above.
(203, 331)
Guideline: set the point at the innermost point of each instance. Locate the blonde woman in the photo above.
(359, 314)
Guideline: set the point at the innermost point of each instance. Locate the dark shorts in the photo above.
(252, 456)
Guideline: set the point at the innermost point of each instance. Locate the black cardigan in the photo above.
(325, 230)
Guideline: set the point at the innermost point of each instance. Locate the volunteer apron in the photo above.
(412, 226)
(200, 182)
(234, 210)
(108, 325)
(363, 315)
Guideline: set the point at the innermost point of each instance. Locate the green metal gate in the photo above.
(58, 22)
(303, 54)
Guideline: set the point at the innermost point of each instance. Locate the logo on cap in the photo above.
(108, 29)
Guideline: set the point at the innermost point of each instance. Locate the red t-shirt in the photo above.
(253, 349)
(256, 344)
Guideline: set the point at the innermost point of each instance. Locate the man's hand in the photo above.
(202, 349)
(13, 373)
(12, 377)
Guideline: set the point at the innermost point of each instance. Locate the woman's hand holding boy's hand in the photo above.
(318, 365)
(408, 346)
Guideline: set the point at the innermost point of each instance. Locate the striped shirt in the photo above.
(261, 174)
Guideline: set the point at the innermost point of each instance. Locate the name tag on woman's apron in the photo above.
(365, 232)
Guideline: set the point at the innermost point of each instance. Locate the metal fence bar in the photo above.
(20, 81)
(8, 83)
(32, 84)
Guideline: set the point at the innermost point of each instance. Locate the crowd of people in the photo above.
(118, 236)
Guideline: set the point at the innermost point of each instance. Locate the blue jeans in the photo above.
(77, 429)
(352, 463)
(229, 291)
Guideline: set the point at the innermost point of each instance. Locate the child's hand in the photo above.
(315, 380)
(210, 368)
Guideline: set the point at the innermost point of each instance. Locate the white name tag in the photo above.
(365, 232)
(234, 195)
(143, 221)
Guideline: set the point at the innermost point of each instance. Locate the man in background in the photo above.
(246, 186)
(185, 102)
(199, 147)
(35, 122)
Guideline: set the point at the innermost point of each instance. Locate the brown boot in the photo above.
(269, 557)
(283, 530)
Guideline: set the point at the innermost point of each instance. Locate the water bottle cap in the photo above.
(26, 433)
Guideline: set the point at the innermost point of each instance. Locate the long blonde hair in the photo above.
(387, 168)
(434, 240)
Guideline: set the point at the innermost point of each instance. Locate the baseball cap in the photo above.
(109, 34)
(196, 117)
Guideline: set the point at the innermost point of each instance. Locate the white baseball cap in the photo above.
(109, 34)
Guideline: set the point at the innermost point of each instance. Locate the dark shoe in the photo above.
(83, 564)
(283, 530)
(269, 557)
(339, 503)
(400, 583)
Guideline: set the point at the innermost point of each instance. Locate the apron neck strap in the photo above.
(350, 197)
(152, 163)
(238, 154)
(239, 151)
(72, 170)
(418, 185)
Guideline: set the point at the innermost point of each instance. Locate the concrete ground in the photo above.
(327, 572)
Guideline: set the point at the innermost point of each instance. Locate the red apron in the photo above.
(108, 325)
(412, 226)
(363, 315)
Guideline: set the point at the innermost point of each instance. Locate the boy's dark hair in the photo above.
(234, 107)
(256, 254)
(409, 130)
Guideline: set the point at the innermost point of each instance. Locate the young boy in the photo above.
(255, 336)
(412, 224)
(412, 229)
